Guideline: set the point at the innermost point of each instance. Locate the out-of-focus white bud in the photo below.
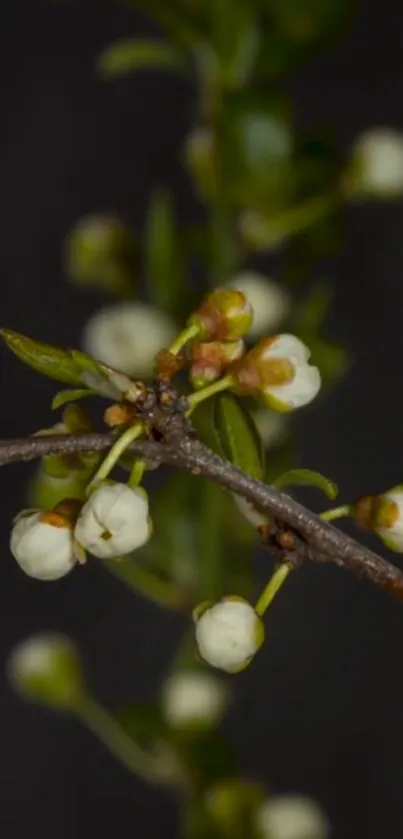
(271, 426)
(46, 668)
(376, 167)
(127, 336)
(228, 633)
(193, 699)
(253, 516)
(43, 545)
(277, 370)
(291, 817)
(114, 521)
(270, 302)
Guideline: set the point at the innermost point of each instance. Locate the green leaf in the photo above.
(70, 366)
(132, 54)
(52, 361)
(164, 256)
(235, 40)
(306, 477)
(236, 435)
(65, 396)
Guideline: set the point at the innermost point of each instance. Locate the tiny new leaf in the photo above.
(71, 366)
(307, 477)
(64, 396)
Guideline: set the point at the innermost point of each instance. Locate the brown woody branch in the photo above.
(325, 542)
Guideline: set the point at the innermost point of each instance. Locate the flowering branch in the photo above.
(323, 542)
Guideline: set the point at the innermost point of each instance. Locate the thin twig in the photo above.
(326, 543)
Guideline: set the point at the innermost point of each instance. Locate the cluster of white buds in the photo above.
(277, 370)
(291, 817)
(114, 521)
(228, 633)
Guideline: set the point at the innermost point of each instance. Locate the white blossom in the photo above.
(304, 383)
(127, 336)
(389, 518)
(270, 302)
(114, 521)
(291, 817)
(228, 634)
(43, 550)
(378, 162)
(192, 698)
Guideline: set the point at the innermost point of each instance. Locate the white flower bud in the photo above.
(252, 515)
(193, 699)
(46, 668)
(291, 817)
(270, 302)
(277, 370)
(127, 336)
(114, 521)
(43, 545)
(228, 634)
(377, 163)
(388, 518)
(305, 382)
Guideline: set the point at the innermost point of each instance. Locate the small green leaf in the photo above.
(65, 396)
(306, 477)
(165, 261)
(52, 361)
(71, 366)
(237, 436)
(132, 54)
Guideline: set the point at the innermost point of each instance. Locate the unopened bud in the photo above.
(210, 360)
(376, 168)
(114, 521)
(383, 514)
(43, 543)
(46, 668)
(270, 301)
(228, 633)
(194, 700)
(224, 315)
(101, 251)
(231, 804)
(291, 817)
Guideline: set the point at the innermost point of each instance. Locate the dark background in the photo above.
(321, 710)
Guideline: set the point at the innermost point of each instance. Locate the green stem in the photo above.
(273, 586)
(186, 335)
(108, 730)
(216, 387)
(144, 582)
(137, 473)
(336, 513)
(116, 452)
